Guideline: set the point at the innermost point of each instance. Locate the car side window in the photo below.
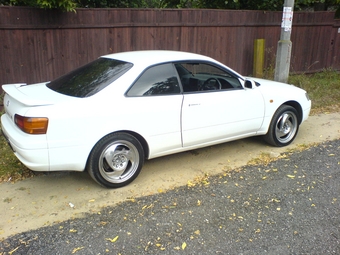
(157, 80)
(205, 77)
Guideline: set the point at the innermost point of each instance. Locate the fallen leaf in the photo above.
(184, 245)
(147, 246)
(291, 176)
(12, 251)
(77, 249)
(190, 184)
(112, 240)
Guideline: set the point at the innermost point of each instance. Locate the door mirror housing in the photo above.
(249, 84)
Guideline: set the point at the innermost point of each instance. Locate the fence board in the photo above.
(39, 45)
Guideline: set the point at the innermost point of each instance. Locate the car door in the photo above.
(220, 108)
(157, 117)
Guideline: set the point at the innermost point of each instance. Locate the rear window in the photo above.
(91, 78)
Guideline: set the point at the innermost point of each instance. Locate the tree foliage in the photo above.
(270, 5)
(67, 5)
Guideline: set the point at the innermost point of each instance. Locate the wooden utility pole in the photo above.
(284, 46)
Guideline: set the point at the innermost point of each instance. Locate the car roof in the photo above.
(150, 57)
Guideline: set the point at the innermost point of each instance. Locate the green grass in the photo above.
(323, 89)
(10, 167)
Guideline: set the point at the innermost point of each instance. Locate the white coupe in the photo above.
(110, 115)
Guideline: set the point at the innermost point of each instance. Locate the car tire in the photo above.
(116, 160)
(283, 127)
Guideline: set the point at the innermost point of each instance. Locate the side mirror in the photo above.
(250, 84)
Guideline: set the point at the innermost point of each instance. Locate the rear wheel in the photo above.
(116, 160)
(283, 127)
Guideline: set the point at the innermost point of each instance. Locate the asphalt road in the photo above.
(290, 206)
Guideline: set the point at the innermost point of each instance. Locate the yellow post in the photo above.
(259, 46)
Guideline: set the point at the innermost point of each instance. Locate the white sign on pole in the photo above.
(287, 19)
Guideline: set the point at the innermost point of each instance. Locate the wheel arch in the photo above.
(297, 107)
(140, 139)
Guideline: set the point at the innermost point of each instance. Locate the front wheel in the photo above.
(116, 160)
(283, 127)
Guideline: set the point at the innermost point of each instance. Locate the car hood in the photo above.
(270, 85)
(278, 93)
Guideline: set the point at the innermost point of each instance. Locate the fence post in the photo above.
(259, 46)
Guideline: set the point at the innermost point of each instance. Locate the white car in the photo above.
(110, 115)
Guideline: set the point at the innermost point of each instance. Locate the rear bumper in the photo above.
(7, 140)
(31, 150)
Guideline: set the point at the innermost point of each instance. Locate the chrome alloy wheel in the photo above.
(119, 161)
(286, 127)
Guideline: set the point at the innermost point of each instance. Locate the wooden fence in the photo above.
(39, 45)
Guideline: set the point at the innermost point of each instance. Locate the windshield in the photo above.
(91, 78)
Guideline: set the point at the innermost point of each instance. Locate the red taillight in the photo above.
(31, 125)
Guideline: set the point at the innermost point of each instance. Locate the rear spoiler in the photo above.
(13, 90)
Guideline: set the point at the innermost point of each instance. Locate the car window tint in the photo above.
(91, 78)
(157, 80)
(205, 77)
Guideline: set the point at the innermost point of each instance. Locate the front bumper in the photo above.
(306, 111)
